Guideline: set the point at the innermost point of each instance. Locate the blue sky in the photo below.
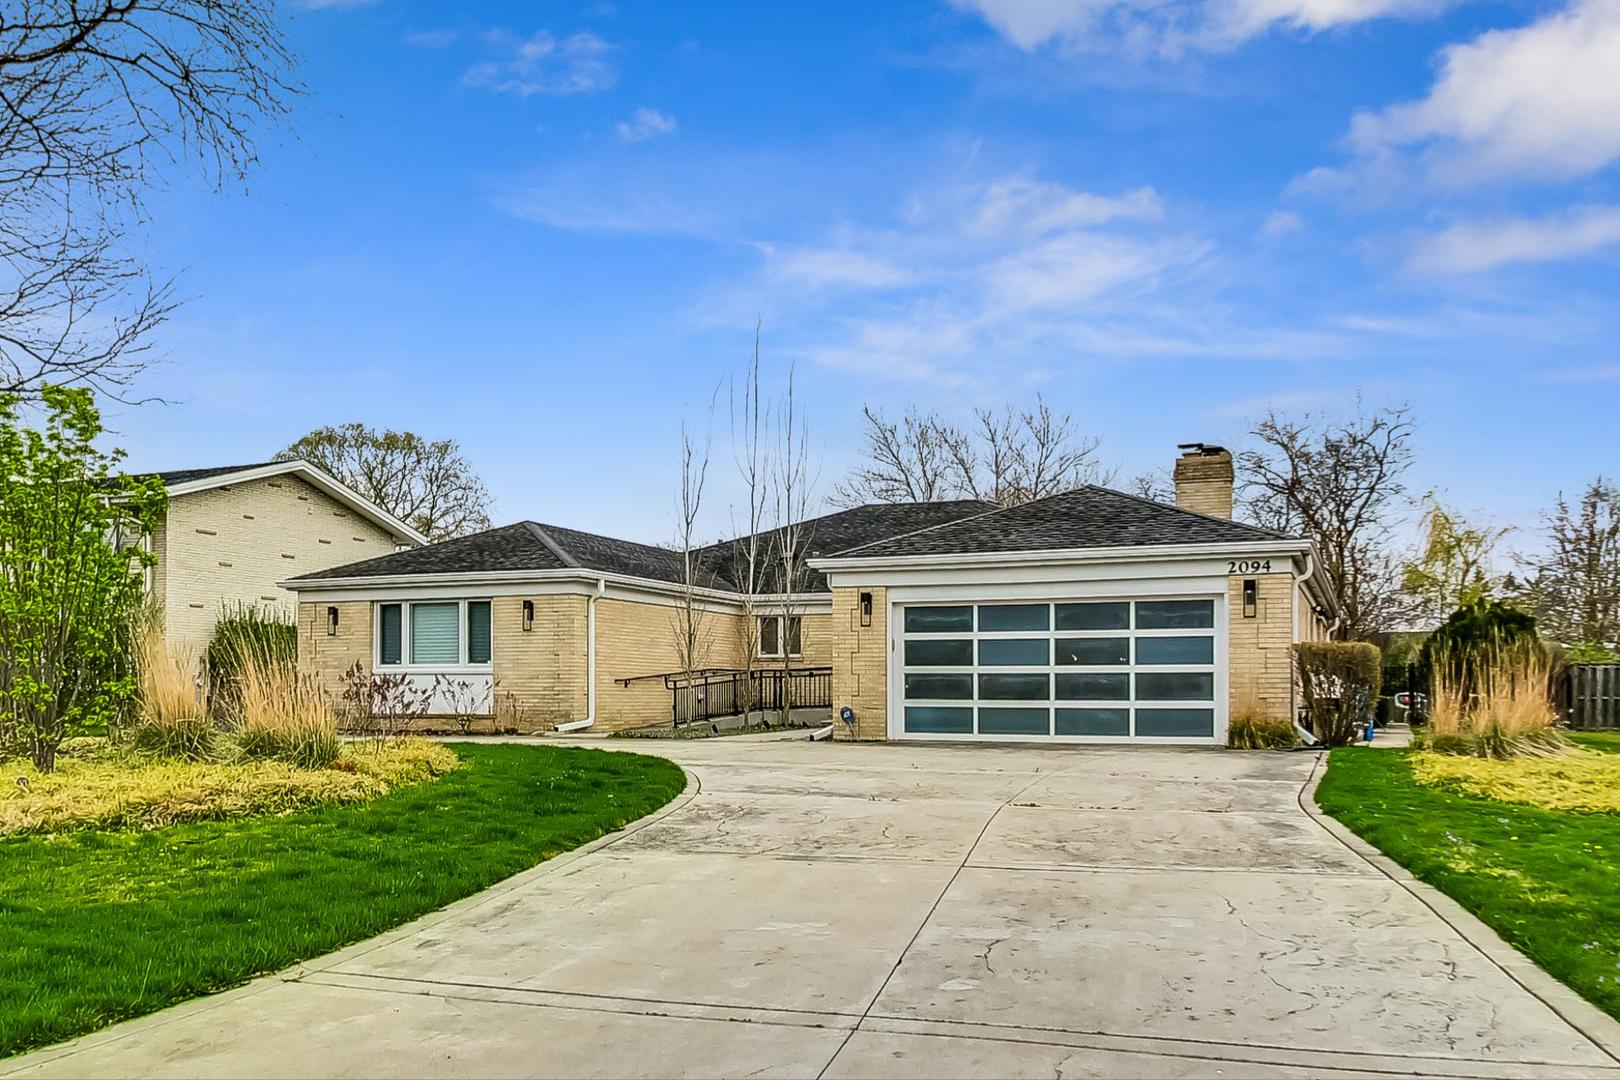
(547, 231)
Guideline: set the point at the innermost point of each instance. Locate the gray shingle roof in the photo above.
(529, 545)
(1086, 517)
(171, 477)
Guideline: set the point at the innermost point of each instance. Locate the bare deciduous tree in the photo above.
(428, 485)
(1575, 584)
(750, 450)
(794, 535)
(99, 101)
(1340, 483)
(688, 619)
(1007, 458)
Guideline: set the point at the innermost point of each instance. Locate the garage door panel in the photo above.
(1104, 669)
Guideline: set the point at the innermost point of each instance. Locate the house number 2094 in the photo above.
(1248, 566)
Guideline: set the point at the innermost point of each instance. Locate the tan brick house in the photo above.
(1090, 616)
(230, 534)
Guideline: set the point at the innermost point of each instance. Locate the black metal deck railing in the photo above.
(715, 692)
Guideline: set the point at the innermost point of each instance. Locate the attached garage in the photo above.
(1090, 616)
(1094, 670)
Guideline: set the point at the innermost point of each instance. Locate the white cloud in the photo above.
(1281, 223)
(645, 124)
(1474, 246)
(1023, 205)
(545, 64)
(1170, 26)
(1542, 100)
(833, 268)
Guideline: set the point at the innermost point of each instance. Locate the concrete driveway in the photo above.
(819, 910)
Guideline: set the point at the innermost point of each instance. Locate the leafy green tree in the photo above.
(70, 561)
(1453, 568)
(1476, 633)
(428, 485)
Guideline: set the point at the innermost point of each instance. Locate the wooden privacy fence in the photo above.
(1591, 696)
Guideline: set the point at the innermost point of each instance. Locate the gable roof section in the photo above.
(528, 545)
(182, 482)
(1088, 517)
(835, 532)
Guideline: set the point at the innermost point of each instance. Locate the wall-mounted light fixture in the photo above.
(1249, 601)
(331, 622)
(866, 609)
(528, 614)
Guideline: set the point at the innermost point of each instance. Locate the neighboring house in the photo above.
(231, 533)
(1091, 616)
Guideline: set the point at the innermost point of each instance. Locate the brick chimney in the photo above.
(1204, 479)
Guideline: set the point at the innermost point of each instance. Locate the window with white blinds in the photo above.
(433, 634)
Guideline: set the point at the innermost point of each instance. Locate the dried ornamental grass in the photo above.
(135, 794)
(284, 713)
(1496, 705)
(1575, 781)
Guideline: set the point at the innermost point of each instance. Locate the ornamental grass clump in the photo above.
(1256, 731)
(168, 716)
(283, 714)
(1494, 701)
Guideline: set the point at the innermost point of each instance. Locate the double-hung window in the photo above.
(771, 635)
(433, 634)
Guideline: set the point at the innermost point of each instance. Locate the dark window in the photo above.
(1014, 721)
(934, 620)
(1175, 650)
(1094, 687)
(1014, 652)
(391, 647)
(1175, 614)
(795, 635)
(938, 720)
(945, 653)
(1013, 617)
(1172, 723)
(478, 631)
(1094, 616)
(1013, 687)
(1100, 651)
(1175, 686)
(1093, 721)
(950, 687)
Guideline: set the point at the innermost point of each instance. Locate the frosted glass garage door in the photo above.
(1106, 669)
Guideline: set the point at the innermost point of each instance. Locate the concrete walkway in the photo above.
(820, 910)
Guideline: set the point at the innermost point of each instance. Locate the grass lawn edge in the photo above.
(18, 1062)
(1598, 1026)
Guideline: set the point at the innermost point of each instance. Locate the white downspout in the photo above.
(590, 663)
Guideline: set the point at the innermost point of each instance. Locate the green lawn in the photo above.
(100, 926)
(1546, 881)
(1607, 742)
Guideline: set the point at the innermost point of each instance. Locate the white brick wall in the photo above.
(233, 543)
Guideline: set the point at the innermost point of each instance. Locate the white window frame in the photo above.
(897, 701)
(781, 637)
(462, 664)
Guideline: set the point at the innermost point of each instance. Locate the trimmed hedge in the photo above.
(1339, 681)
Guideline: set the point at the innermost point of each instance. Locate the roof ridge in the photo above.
(1195, 513)
(994, 509)
(538, 531)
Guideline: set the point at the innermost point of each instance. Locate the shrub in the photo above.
(1495, 704)
(186, 738)
(1476, 628)
(246, 632)
(1260, 732)
(283, 713)
(144, 795)
(1339, 681)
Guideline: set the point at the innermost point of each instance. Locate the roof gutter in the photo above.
(1054, 556)
(499, 577)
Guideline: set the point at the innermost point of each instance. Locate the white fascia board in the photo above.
(1059, 557)
(570, 581)
(337, 490)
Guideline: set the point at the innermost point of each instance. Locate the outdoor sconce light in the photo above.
(528, 614)
(866, 609)
(331, 622)
(1248, 598)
